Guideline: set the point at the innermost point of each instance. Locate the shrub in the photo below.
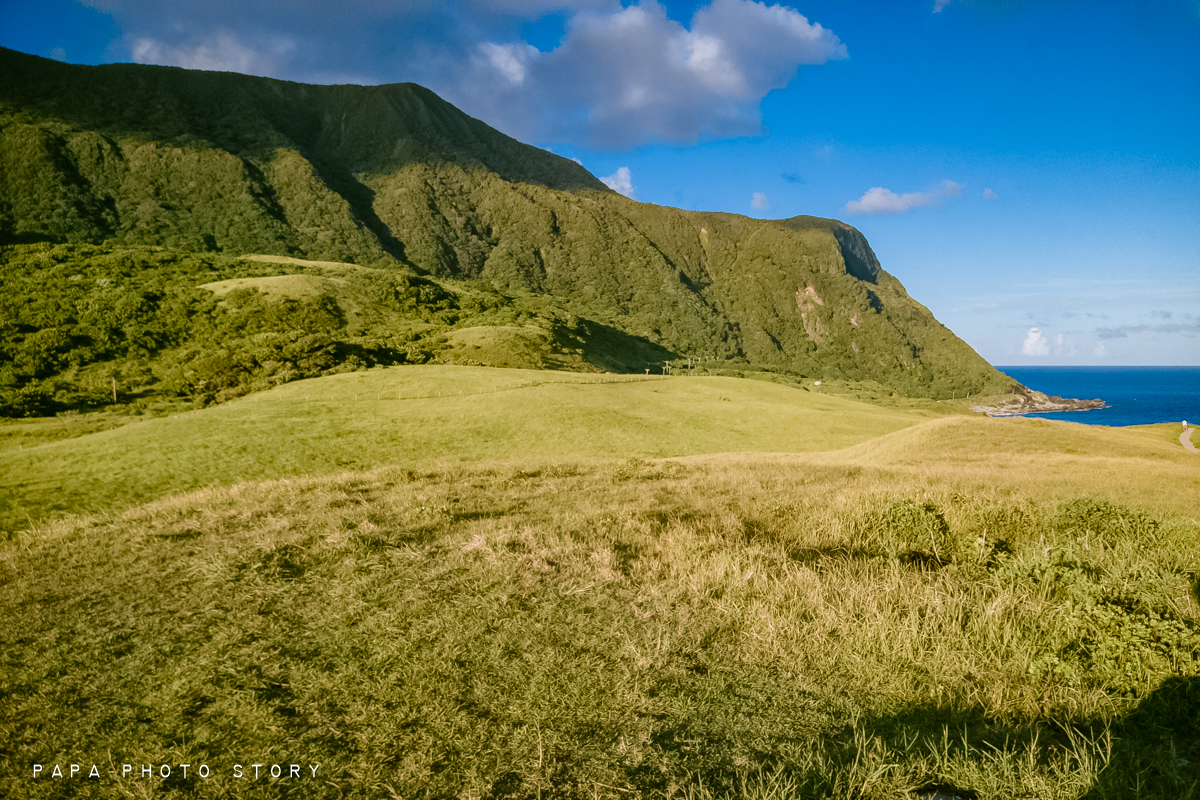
(1000, 531)
(1096, 521)
(908, 529)
(1118, 638)
(30, 401)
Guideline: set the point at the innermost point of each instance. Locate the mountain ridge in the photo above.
(392, 176)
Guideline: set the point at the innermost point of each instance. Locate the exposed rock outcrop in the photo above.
(1028, 401)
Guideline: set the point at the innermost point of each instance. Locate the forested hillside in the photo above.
(87, 326)
(391, 177)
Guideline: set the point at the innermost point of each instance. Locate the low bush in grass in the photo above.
(910, 529)
(1094, 520)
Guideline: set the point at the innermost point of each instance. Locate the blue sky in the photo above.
(1029, 170)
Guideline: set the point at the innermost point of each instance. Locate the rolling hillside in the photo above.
(435, 416)
(418, 416)
(441, 581)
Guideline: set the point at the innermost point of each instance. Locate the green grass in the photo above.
(18, 434)
(617, 629)
(1167, 432)
(296, 286)
(589, 586)
(426, 415)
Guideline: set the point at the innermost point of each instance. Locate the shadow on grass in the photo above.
(1157, 747)
(1154, 755)
(1156, 751)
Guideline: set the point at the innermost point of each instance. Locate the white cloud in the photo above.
(938, 5)
(879, 200)
(620, 77)
(759, 200)
(509, 61)
(1122, 331)
(1035, 344)
(988, 194)
(621, 182)
(1100, 350)
(634, 75)
(222, 51)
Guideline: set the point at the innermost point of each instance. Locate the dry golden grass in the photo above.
(1001, 605)
(730, 626)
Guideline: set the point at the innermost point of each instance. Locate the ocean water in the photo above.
(1136, 395)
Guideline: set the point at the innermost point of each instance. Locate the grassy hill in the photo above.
(393, 177)
(421, 416)
(430, 416)
(484, 595)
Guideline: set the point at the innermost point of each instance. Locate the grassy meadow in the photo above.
(584, 586)
(421, 415)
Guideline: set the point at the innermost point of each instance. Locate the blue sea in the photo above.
(1135, 395)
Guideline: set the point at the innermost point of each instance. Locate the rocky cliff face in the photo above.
(393, 175)
(857, 254)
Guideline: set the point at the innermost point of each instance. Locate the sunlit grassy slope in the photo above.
(425, 415)
(421, 415)
(575, 586)
(1047, 458)
(762, 626)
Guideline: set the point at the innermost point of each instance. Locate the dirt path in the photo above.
(1185, 439)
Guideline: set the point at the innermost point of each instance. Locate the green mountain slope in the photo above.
(394, 177)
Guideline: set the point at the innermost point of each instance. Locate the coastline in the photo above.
(1132, 395)
(1024, 400)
